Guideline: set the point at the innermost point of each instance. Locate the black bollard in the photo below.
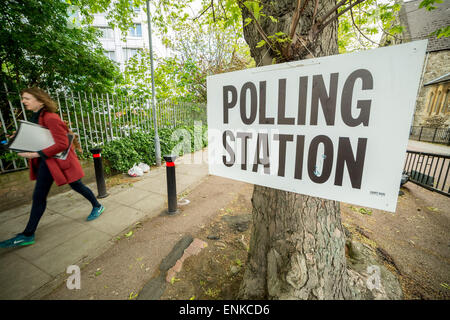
(171, 184)
(99, 176)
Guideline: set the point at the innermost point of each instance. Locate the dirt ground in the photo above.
(415, 241)
(216, 272)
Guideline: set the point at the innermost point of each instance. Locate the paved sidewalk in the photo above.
(64, 237)
(428, 147)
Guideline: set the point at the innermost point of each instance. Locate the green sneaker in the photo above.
(95, 213)
(18, 241)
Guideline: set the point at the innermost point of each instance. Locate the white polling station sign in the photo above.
(334, 127)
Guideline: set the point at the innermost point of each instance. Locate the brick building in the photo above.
(433, 98)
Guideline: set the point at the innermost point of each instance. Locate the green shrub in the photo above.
(120, 155)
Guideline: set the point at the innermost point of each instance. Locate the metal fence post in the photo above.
(434, 136)
(109, 117)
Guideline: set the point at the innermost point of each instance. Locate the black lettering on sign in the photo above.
(327, 158)
(253, 103)
(228, 104)
(244, 136)
(282, 104)
(283, 138)
(363, 105)
(327, 101)
(262, 105)
(354, 166)
(299, 151)
(263, 141)
(302, 95)
(228, 133)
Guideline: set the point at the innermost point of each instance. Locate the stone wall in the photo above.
(16, 188)
(437, 65)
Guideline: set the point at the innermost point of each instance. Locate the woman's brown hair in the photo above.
(42, 96)
(50, 106)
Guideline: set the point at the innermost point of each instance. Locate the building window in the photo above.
(445, 107)
(111, 55)
(430, 103)
(135, 31)
(129, 53)
(107, 33)
(437, 102)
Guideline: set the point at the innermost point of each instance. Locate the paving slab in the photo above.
(14, 213)
(56, 261)
(19, 277)
(156, 185)
(52, 235)
(15, 225)
(115, 219)
(151, 203)
(131, 196)
(64, 237)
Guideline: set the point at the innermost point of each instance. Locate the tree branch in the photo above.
(224, 11)
(296, 18)
(356, 26)
(258, 27)
(329, 13)
(202, 13)
(335, 17)
(389, 34)
(315, 12)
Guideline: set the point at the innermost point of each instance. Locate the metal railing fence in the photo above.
(96, 118)
(435, 135)
(429, 170)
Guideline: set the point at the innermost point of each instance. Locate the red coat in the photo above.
(63, 171)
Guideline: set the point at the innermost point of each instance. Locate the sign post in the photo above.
(334, 127)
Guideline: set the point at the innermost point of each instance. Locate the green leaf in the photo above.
(396, 29)
(173, 280)
(260, 44)
(132, 295)
(428, 4)
(442, 32)
(129, 234)
(365, 211)
(274, 20)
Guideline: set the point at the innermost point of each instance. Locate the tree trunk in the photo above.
(297, 246)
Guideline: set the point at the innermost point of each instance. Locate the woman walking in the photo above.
(45, 169)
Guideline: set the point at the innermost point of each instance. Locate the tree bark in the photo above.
(297, 246)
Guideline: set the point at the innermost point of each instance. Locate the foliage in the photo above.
(120, 13)
(365, 25)
(441, 32)
(120, 155)
(38, 46)
(199, 47)
(9, 156)
(429, 4)
(175, 80)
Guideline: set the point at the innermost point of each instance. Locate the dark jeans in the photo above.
(43, 183)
